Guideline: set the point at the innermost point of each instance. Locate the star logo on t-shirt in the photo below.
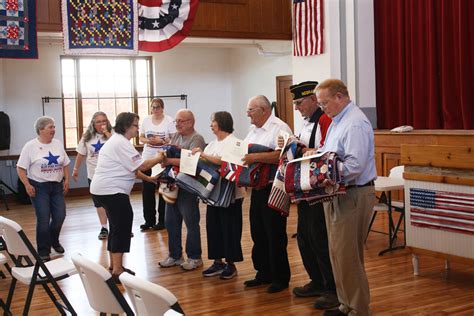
(97, 146)
(52, 159)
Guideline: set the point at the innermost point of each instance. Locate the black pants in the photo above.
(149, 203)
(268, 231)
(120, 214)
(224, 232)
(313, 245)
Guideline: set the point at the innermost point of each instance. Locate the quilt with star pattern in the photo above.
(18, 29)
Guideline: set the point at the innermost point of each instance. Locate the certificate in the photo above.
(235, 151)
(188, 162)
(156, 169)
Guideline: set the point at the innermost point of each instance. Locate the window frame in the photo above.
(78, 92)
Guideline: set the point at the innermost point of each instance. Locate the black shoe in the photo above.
(58, 249)
(308, 290)
(104, 233)
(255, 282)
(326, 302)
(45, 258)
(275, 288)
(333, 312)
(159, 226)
(146, 227)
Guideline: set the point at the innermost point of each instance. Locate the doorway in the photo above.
(284, 106)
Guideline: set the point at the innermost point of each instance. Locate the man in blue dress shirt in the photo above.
(348, 216)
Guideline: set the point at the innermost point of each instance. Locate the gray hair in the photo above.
(263, 102)
(41, 123)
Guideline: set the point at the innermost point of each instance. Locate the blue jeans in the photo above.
(50, 211)
(186, 208)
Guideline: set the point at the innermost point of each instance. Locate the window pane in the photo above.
(89, 107)
(106, 86)
(123, 105)
(105, 67)
(70, 113)
(69, 89)
(67, 67)
(88, 67)
(122, 67)
(141, 68)
(89, 86)
(71, 137)
(123, 86)
(142, 108)
(107, 106)
(142, 86)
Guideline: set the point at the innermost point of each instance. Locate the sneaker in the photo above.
(229, 272)
(170, 262)
(58, 248)
(215, 269)
(191, 264)
(104, 233)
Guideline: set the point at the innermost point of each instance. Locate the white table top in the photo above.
(389, 184)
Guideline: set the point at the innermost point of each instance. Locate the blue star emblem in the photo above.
(97, 146)
(52, 159)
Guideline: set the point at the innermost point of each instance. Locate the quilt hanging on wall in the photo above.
(100, 27)
(18, 29)
(163, 24)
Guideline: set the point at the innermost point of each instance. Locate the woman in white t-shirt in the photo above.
(43, 167)
(156, 130)
(118, 165)
(223, 224)
(97, 133)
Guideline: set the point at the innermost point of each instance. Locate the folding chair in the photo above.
(3, 260)
(102, 292)
(149, 298)
(382, 206)
(29, 269)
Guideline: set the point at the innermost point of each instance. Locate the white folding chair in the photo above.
(3, 261)
(102, 292)
(381, 206)
(149, 298)
(29, 269)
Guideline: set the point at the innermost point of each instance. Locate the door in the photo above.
(284, 106)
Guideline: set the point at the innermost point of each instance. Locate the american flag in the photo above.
(308, 27)
(451, 211)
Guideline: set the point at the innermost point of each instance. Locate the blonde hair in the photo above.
(333, 86)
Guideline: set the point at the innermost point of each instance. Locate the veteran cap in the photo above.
(303, 89)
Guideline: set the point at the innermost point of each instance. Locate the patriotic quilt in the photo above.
(100, 27)
(18, 38)
(207, 176)
(305, 178)
(450, 211)
(164, 24)
(308, 27)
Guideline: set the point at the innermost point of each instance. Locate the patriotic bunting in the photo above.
(164, 24)
(100, 27)
(308, 27)
(18, 29)
(450, 211)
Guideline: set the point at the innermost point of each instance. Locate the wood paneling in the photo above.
(394, 289)
(259, 19)
(284, 99)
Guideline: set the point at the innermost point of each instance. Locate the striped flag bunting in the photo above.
(308, 27)
(450, 211)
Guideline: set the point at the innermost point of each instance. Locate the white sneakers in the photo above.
(189, 264)
(171, 262)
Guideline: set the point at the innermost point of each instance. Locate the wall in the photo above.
(2, 101)
(253, 74)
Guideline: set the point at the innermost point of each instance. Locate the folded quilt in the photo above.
(168, 175)
(222, 195)
(207, 176)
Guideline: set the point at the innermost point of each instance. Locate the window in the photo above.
(108, 84)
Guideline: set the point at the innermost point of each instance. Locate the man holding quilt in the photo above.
(311, 232)
(348, 216)
(267, 227)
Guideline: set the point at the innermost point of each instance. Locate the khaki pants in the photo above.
(347, 219)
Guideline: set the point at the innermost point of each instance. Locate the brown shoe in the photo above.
(308, 290)
(326, 301)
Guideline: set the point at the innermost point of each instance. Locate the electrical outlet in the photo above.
(9, 163)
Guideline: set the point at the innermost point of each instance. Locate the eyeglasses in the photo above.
(253, 109)
(156, 107)
(323, 105)
(299, 102)
(180, 121)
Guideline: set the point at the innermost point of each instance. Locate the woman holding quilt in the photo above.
(223, 224)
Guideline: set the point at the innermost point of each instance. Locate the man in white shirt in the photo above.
(348, 216)
(267, 227)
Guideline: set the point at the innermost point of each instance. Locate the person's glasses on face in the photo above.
(323, 104)
(299, 102)
(251, 110)
(181, 121)
(156, 107)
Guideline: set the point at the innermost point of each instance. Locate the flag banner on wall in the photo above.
(308, 27)
(451, 211)
(18, 38)
(100, 27)
(163, 24)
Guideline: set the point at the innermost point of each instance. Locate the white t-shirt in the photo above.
(44, 162)
(216, 148)
(116, 166)
(162, 130)
(91, 149)
(267, 135)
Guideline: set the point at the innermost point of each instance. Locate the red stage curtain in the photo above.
(424, 57)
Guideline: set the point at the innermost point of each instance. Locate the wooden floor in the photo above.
(394, 288)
